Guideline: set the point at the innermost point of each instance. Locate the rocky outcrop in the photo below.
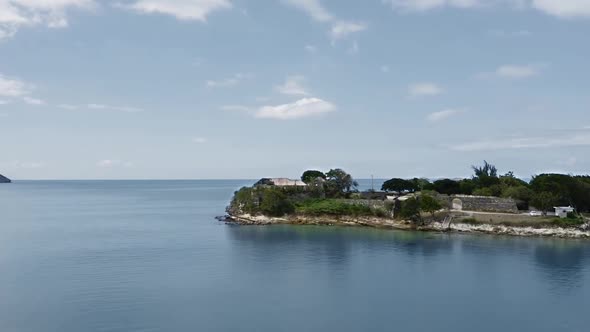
(246, 219)
(4, 179)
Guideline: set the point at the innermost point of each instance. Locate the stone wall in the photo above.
(482, 203)
(372, 203)
(466, 203)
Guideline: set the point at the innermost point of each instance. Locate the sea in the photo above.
(125, 256)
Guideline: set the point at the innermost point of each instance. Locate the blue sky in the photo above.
(245, 89)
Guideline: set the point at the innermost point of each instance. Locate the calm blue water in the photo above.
(148, 256)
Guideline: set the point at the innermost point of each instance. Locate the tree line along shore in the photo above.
(420, 202)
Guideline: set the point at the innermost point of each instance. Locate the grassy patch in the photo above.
(568, 222)
(335, 208)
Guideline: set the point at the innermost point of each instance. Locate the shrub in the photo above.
(568, 222)
(429, 204)
(275, 203)
(411, 209)
(333, 207)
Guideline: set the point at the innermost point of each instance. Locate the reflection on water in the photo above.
(562, 263)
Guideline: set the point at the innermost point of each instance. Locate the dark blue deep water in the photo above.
(79, 256)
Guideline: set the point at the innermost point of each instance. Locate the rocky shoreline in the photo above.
(458, 227)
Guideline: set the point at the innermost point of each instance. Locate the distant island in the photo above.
(4, 179)
(547, 205)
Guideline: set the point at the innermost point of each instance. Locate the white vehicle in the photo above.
(536, 213)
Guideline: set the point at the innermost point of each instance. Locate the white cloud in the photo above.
(3, 102)
(313, 8)
(384, 69)
(558, 8)
(444, 114)
(293, 86)
(111, 163)
(199, 140)
(196, 10)
(517, 72)
(342, 29)
(423, 5)
(13, 87)
(33, 101)
(532, 142)
(306, 107)
(424, 89)
(227, 82)
(563, 8)
(109, 108)
(15, 14)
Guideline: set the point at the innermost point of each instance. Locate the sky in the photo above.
(244, 89)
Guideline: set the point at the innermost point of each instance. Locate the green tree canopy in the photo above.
(275, 203)
(411, 210)
(399, 186)
(422, 184)
(510, 180)
(429, 204)
(447, 187)
(338, 182)
(486, 175)
(311, 175)
(544, 201)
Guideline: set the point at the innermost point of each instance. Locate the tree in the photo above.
(521, 194)
(447, 187)
(544, 201)
(429, 204)
(275, 203)
(509, 180)
(338, 182)
(466, 186)
(411, 210)
(311, 175)
(399, 186)
(486, 175)
(422, 184)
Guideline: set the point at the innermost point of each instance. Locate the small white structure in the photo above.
(284, 182)
(280, 182)
(400, 198)
(562, 211)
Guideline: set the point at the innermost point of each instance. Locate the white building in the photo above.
(280, 182)
(562, 211)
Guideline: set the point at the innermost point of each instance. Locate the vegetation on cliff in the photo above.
(334, 193)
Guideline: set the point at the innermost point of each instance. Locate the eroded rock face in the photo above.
(4, 179)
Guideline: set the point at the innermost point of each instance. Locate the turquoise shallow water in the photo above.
(127, 256)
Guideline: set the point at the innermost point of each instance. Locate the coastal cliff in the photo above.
(387, 223)
(487, 203)
(4, 179)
